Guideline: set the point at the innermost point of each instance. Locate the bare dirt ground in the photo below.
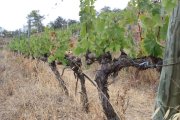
(29, 91)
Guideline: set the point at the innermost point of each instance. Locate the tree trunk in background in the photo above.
(168, 96)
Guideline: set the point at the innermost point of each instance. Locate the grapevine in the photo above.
(137, 33)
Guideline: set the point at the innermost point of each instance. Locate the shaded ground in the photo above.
(29, 90)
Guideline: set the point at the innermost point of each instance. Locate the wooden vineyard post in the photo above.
(29, 32)
(19, 36)
(168, 97)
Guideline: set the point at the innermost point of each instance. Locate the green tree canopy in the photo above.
(36, 20)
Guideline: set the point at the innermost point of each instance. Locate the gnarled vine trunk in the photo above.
(75, 64)
(168, 97)
(84, 98)
(101, 80)
(58, 77)
(112, 67)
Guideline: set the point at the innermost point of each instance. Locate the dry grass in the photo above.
(29, 90)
